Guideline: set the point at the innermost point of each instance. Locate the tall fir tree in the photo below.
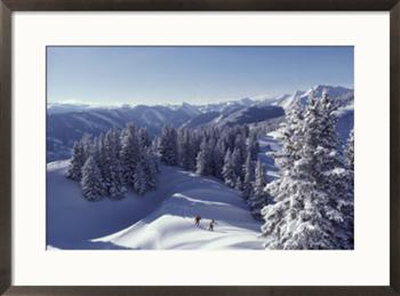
(218, 158)
(203, 159)
(253, 146)
(77, 161)
(168, 146)
(249, 177)
(140, 184)
(240, 145)
(350, 151)
(259, 198)
(238, 184)
(144, 138)
(185, 151)
(129, 154)
(91, 183)
(228, 171)
(99, 154)
(87, 143)
(113, 179)
(237, 162)
(307, 212)
(347, 187)
(152, 169)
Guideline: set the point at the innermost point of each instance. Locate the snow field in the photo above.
(162, 219)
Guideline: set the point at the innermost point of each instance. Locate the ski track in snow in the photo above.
(163, 219)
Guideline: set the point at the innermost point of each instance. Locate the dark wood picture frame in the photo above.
(6, 12)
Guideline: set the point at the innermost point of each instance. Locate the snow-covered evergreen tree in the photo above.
(77, 161)
(185, 150)
(129, 154)
(212, 151)
(249, 177)
(168, 146)
(237, 162)
(240, 146)
(99, 154)
(308, 205)
(347, 206)
(228, 171)
(253, 146)
(144, 138)
(203, 159)
(259, 198)
(152, 169)
(91, 183)
(140, 182)
(113, 178)
(218, 158)
(350, 151)
(87, 143)
(238, 184)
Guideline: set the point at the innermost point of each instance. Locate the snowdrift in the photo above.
(163, 219)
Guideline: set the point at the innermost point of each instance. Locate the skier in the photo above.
(211, 225)
(197, 220)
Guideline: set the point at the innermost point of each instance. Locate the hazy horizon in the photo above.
(115, 76)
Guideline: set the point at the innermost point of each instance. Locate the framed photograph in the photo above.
(199, 148)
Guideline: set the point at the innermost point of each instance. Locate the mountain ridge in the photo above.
(67, 123)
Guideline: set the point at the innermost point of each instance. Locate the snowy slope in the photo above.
(163, 219)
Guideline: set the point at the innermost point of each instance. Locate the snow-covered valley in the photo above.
(161, 219)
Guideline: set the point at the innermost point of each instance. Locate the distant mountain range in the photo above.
(68, 122)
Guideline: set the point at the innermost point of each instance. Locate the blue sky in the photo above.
(197, 75)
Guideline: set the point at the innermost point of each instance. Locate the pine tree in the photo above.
(332, 177)
(218, 158)
(240, 145)
(99, 154)
(213, 169)
(77, 161)
(237, 162)
(347, 188)
(87, 143)
(238, 184)
(152, 170)
(168, 146)
(113, 178)
(185, 150)
(144, 139)
(249, 177)
(253, 146)
(203, 159)
(129, 154)
(91, 183)
(259, 198)
(228, 171)
(350, 151)
(140, 184)
(307, 212)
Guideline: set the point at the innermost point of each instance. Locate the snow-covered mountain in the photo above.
(56, 108)
(344, 95)
(66, 122)
(241, 116)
